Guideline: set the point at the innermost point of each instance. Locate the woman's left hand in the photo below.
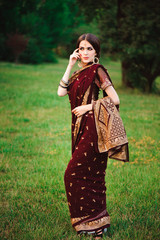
(79, 111)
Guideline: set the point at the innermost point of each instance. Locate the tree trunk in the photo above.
(125, 81)
(149, 84)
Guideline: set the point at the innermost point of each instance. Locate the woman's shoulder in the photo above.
(100, 69)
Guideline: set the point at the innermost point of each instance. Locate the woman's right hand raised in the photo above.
(74, 57)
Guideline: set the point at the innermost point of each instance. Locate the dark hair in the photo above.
(93, 40)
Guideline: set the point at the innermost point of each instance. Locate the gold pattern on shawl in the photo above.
(110, 130)
(78, 121)
(91, 225)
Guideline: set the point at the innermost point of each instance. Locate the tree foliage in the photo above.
(131, 30)
(46, 23)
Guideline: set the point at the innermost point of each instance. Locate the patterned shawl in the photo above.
(110, 130)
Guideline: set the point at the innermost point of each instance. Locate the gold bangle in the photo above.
(63, 86)
(66, 83)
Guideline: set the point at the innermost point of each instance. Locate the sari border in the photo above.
(79, 119)
(87, 223)
(110, 130)
(74, 75)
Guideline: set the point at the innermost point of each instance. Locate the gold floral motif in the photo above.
(79, 164)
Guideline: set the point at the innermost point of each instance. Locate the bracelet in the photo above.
(93, 104)
(64, 82)
(63, 86)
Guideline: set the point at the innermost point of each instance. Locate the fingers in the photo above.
(76, 54)
(76, 112)
(76, 50)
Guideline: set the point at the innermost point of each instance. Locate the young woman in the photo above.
(85, 174)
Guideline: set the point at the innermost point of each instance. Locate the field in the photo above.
(35, 147)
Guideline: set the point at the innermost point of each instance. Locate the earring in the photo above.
(96, 60)
(79, 64)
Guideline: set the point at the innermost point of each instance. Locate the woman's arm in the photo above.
(105, 83)
(112, 94)
(62, 89)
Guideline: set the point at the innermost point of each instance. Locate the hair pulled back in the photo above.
(92, 39)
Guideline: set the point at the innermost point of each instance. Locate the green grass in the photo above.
(35, 147)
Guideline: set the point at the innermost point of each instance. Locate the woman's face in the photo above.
(86, 51)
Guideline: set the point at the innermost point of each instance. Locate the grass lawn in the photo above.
(35, 147)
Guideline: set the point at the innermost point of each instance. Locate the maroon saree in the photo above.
(85, 174)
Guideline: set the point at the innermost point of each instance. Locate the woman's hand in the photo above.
(74, 57)
(79, 111)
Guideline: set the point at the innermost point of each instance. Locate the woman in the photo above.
(85, 174)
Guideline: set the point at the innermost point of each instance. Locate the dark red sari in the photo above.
(85, 173)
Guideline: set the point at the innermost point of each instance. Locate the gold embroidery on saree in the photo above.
(91, 225)
(110, 130)
(78, 121)
(76, 74)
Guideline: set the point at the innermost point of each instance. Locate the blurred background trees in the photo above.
(129, 30)
(47, 25)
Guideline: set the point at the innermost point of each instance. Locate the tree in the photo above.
(131, 31)
(46, 23)
(17, 43)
